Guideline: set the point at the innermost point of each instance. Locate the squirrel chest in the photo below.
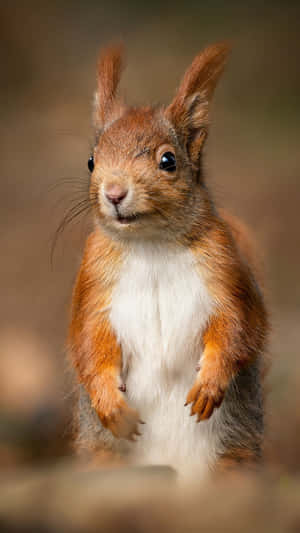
(159, 309)
(160, 306)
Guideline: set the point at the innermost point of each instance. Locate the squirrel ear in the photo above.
(189, 111)
(107, 108)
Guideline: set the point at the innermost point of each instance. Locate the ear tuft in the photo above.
(109, 71)
(189, 111)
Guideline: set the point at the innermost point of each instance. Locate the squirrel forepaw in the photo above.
(114, 412)
(122, 421)
(205, 396)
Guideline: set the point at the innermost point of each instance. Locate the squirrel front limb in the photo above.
(93, 346)
(102, 379)
(225, 353)
(106, 389)
(236, 333)
(210, 385)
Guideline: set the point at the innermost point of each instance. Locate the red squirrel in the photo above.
(168, 317)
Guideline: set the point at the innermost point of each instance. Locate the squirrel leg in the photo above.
(98, 363)
(214, 372)
(238, 459)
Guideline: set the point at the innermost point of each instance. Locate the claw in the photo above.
(204, 399)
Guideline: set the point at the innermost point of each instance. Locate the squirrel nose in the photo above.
(115, 194)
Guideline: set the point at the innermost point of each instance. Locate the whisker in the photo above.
(83, 206)
(77, 190)
(79, 183)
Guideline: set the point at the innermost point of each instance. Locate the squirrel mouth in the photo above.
(127, 219)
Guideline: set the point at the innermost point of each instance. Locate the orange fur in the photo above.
(95, 352)
(167, 207)
(236, 457)
(189, 110)
(245, 242)
(236, 333)
(107, 108)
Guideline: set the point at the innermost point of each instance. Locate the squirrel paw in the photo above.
(205, 396)
(122, 421)
(116, 415)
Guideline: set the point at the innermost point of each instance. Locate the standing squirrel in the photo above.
(168, 318)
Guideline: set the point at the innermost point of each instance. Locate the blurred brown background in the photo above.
(48, 56)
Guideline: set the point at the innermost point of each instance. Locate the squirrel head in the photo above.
(146, 176)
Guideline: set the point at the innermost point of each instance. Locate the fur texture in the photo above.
(167, 308)
(160, 307)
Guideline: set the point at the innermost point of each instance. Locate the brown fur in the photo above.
(174, 207)
(236, 458)
(235, 335)
(95, 352)
(189, 111)
(107, 108)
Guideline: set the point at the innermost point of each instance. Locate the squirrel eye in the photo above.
(168, 162)
(91, 164)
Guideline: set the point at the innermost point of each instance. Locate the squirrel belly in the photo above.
(159, 309)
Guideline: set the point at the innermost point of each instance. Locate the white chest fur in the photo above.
(159, 309)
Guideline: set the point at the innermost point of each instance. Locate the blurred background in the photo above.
(48, 56)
